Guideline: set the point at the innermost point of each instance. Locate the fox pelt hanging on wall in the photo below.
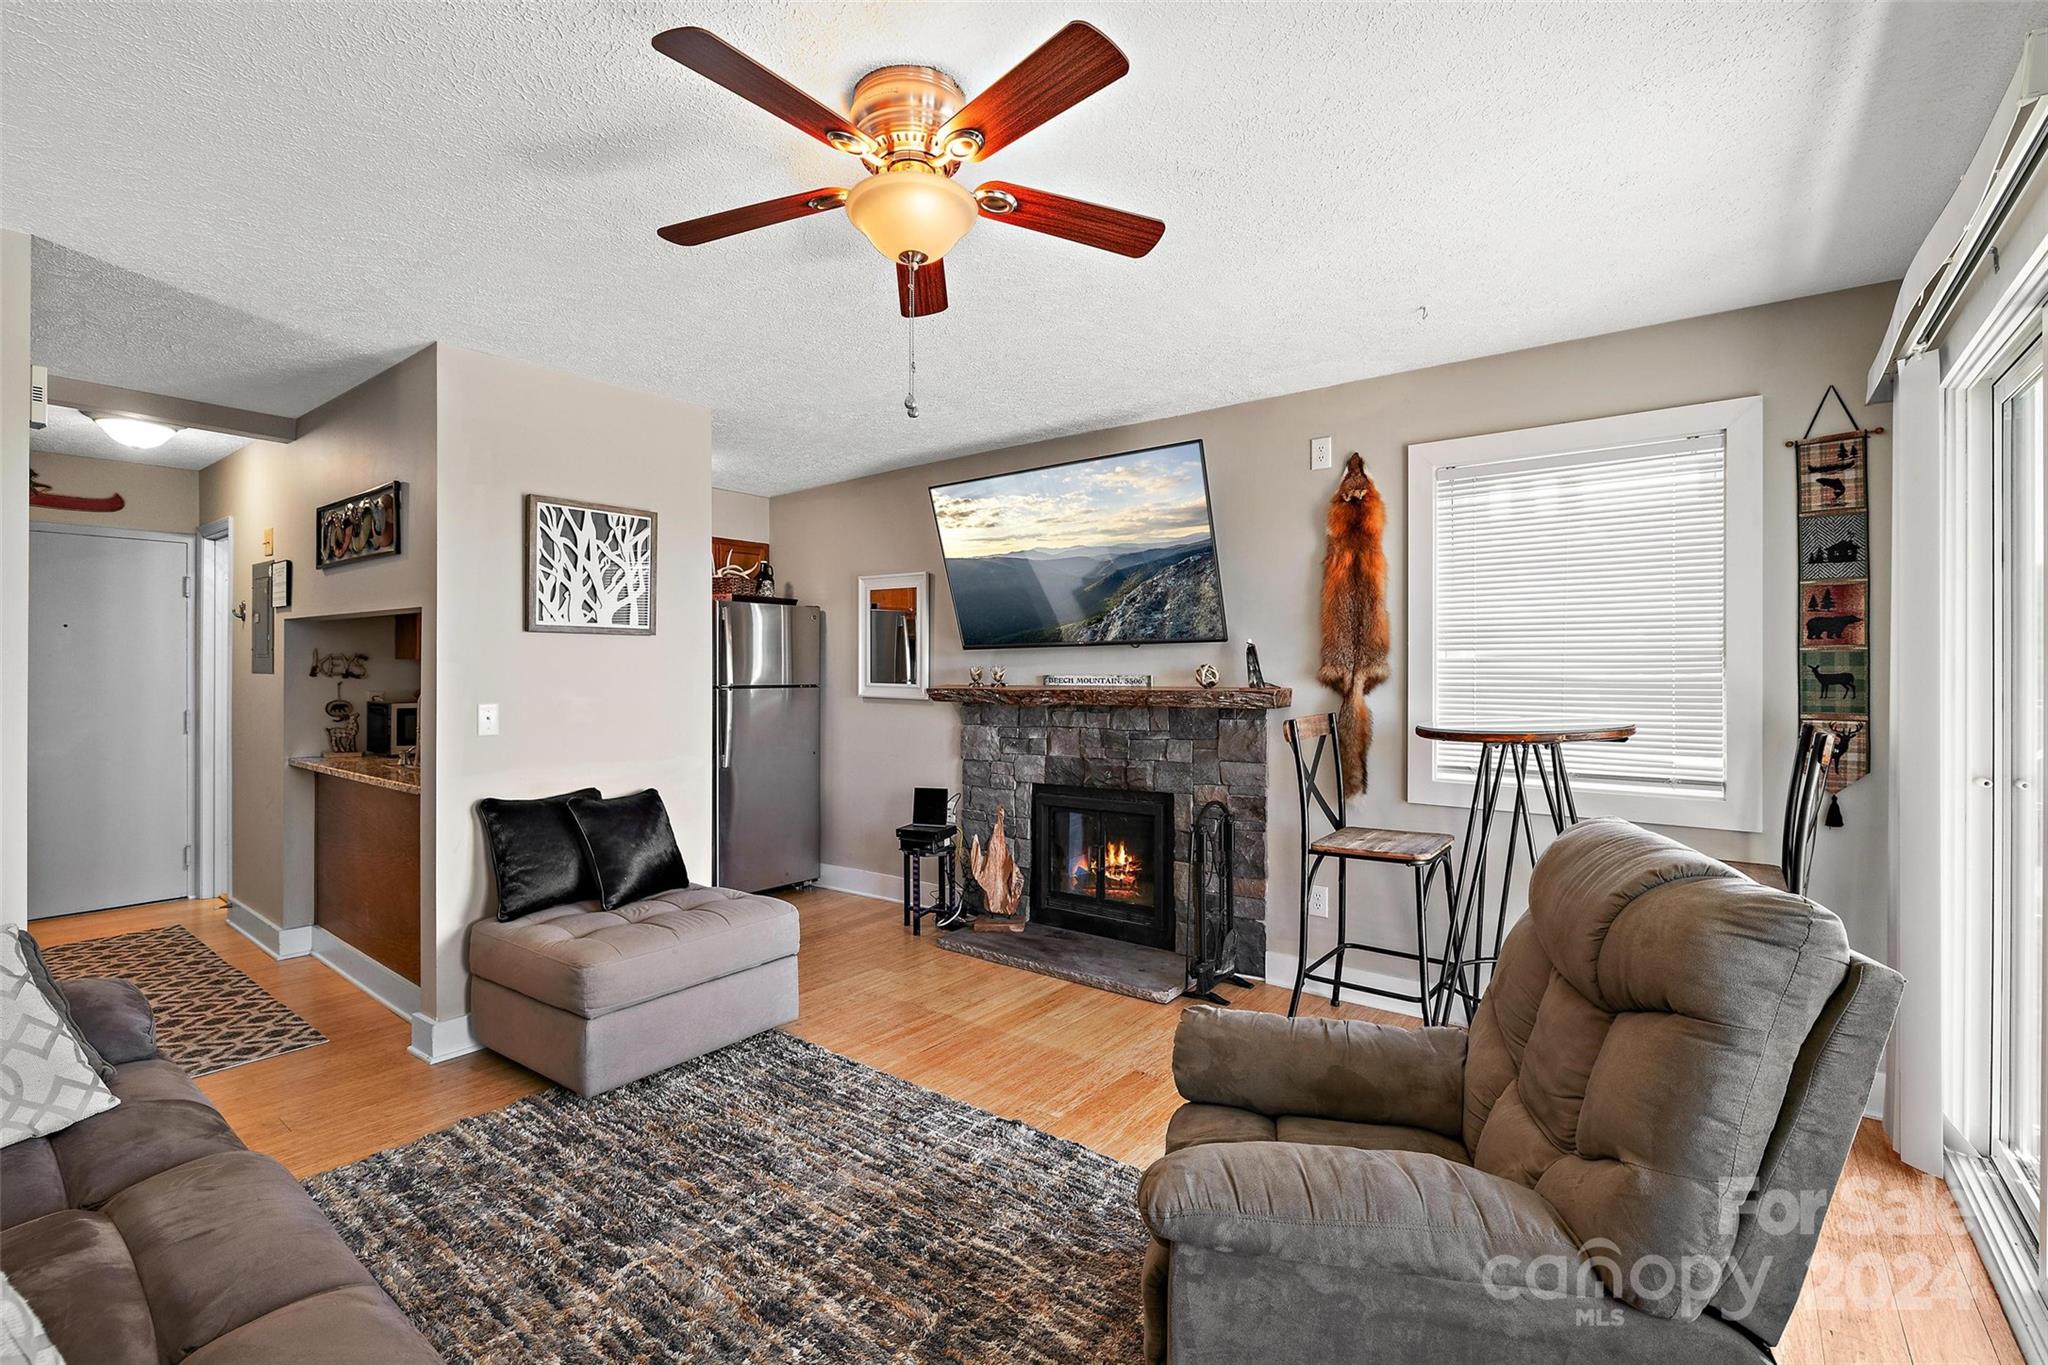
(1355, 632)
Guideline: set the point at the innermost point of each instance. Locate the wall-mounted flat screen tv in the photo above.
(1113, 550)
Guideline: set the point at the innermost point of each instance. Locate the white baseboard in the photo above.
(1280, 969)
(1875, 1109)
(861, 882)
(257, 928)
(376, 980)
(440, 1040)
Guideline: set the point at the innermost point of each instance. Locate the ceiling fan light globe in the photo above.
(911, 209)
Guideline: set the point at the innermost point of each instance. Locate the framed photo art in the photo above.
(589, 567)
(363, 526)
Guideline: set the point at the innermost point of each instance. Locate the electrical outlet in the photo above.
(1319, 902)
(487, 718)
(1319, 453)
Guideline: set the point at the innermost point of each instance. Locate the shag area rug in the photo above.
(772, 1201)
(209, 1015)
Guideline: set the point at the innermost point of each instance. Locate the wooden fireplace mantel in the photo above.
(1212, 698)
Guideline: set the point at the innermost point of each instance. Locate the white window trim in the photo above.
(1741, 420)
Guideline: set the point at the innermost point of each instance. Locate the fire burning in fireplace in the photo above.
(1120, 869)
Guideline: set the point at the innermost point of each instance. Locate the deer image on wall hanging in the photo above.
(1355, 631)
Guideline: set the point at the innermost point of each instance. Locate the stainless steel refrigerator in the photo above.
(766, 705)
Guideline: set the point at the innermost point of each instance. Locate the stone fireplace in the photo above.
(1120, 766)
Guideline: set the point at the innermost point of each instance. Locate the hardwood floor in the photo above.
(1896, 1278)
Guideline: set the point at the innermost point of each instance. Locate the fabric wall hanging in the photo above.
(1355, 632)
(1834, 591)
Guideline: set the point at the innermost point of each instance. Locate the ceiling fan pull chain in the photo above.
(910, 397)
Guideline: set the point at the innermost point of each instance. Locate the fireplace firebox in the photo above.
(1102, 862)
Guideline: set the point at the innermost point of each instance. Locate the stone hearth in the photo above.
(1194, 753)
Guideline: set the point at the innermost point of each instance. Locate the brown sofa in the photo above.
(1626, 1158)
(148, 1234)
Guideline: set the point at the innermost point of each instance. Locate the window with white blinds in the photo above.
(1589, 588)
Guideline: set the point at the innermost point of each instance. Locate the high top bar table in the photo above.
(1501, 748)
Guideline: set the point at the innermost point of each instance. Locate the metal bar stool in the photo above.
(1427, 856)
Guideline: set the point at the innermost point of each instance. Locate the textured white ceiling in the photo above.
(71, 432)
(261, 204)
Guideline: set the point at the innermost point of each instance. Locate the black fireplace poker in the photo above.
(1212, 950)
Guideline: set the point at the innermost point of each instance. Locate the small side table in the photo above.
(1505, 752)
(918, 843)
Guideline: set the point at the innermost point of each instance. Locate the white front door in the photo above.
(110, 752)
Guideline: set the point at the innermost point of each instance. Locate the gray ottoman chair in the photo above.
(596, 998)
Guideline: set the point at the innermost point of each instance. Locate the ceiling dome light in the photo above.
(133, 431)
(911, 212)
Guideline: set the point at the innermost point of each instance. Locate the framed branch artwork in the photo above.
(589, 567)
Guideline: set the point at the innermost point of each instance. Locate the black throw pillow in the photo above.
(536, 853)
(631, 847)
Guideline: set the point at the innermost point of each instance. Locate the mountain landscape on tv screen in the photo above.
(1101, 595)
(1111, 550)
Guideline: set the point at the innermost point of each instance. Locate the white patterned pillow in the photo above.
(46, 1082)
(22, 1338)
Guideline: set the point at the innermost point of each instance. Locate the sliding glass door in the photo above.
(2020, 714)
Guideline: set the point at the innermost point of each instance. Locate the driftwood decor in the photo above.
(1355, 630)
(1001, 880)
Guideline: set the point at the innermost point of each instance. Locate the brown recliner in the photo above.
(1626, 1157)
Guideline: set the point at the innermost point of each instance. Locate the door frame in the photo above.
(214, 804)
(189, 541)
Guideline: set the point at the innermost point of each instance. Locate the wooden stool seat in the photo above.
(1381, 845)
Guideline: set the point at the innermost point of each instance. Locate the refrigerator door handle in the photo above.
(725, 731)
(725, 652)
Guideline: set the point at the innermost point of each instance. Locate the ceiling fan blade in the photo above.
(1077, 220)
(1072, 65)
(713, 58)
(711, 227)
(931, 288)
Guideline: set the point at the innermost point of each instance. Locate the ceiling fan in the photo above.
(913, 128)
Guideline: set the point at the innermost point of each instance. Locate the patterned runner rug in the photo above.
(209, 1016)
(770, 1202)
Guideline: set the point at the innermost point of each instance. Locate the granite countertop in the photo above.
(368, 769)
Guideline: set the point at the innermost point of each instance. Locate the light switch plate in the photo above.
(1319, 902)
(1319, 453)
(487, 718)
(269, 541)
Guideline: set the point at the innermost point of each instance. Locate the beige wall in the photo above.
(739, 516)
(379, 431)
(1269, 509)
(618, 713)
(154, 497)
(14, 429)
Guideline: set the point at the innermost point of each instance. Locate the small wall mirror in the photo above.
(895, 650)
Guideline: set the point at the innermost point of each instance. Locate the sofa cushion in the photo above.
(590, 962)
(1633, 1049)
(114, 1018)
(537, 856)
(48, 1079)
(347, 1326)
(39, 972)
(1368, 1137)
(74, 1270)
(31, 1184)
(221, 1241)
(1194, 1124)
(1389, 1212)
(164, 1121)
(631, 848)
